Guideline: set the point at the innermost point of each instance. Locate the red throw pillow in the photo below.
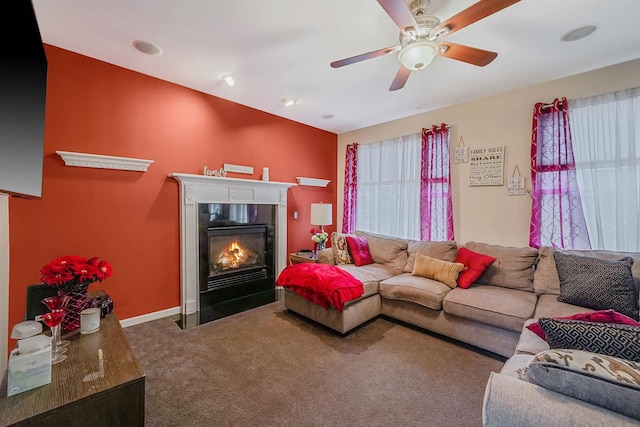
(475, 264)
(359, 250)
(601, 316)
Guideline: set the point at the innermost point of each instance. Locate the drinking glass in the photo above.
(58, 302)
(53, 320)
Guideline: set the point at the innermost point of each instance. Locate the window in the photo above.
(403, 186)
(606, 141)
(388, 196)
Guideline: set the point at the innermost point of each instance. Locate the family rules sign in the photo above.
(486, 166)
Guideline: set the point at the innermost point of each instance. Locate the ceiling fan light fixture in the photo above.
(417, 55)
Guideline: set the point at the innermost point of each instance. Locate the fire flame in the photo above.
(236, 250)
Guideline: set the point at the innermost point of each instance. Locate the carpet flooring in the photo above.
(270, 367)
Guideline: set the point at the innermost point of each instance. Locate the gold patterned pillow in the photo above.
(340, 248)
(442, 271)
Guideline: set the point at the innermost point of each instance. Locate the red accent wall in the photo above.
(131, 219)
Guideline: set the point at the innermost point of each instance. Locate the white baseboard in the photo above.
(149, 317)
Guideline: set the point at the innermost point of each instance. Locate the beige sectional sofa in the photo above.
(519, 287)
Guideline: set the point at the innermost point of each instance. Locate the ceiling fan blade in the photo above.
(474, 13)
(362, 57)
(399, 13)
(401, 78)
(468, 54)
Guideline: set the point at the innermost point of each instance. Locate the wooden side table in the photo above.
(300, 257)
(81, 392)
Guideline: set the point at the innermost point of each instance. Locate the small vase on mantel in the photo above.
(78, 302)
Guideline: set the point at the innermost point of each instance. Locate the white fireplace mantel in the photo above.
(196, 189)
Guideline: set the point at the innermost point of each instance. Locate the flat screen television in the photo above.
(23, 85)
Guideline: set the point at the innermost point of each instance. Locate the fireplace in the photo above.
(236, 251)
(215, 203)
(237, 270)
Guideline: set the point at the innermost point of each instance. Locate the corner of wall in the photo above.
(4, 280)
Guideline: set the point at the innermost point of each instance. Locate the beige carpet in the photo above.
(270, 367)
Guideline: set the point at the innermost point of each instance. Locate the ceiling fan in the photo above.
(419, 34)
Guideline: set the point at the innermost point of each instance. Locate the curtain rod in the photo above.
(550, 105)
(446, 127)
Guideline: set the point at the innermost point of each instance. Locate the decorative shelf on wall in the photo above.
(314, 182)
(100, 161)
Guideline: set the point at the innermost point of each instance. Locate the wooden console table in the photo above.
(79, 395)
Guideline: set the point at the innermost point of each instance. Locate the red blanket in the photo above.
(322, 284)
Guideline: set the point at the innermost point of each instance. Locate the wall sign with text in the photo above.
(486, 166)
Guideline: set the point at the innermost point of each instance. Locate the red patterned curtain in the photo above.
(557, 218)
(436, 212)
(350, 188)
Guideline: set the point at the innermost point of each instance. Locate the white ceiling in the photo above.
(282, 49)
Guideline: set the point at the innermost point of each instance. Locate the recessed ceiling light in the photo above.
(147, 48)
(228, 79)
(578, 33)
(327, 116)
(288, 102)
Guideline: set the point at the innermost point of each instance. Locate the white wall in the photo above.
(4, 280)
(487, 214)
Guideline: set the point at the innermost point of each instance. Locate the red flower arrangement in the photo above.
(73, 273)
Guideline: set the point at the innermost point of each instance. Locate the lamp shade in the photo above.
(321, 213)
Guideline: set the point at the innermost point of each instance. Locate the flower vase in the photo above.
(77, 303)
(321, 245)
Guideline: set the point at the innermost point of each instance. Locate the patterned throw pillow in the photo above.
(611, 339)
(442, 271)
(340, 248)
(601, 316)
(606, 381)
(597, 283)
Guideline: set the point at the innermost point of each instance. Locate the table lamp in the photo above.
(321, 214)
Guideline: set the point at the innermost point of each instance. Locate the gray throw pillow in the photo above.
(606, 381)
(611, 339)
(597, 283)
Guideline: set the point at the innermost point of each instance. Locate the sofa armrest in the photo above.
(325, 256)
(511, 402)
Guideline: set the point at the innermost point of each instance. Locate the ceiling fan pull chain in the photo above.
(417, 97)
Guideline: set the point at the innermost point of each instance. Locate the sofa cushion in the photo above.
(445, 251)
(370, 275)
(391, 251)
(607, 338)
(606, 381)
(600, 316)
(359, 250)
(597, 283)
(442, 271)
(549, 306)
(340, 249)
(426, 292)
(546, 281)
(513, 267)
(475, 264)
(496, 306)
(530, 343)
